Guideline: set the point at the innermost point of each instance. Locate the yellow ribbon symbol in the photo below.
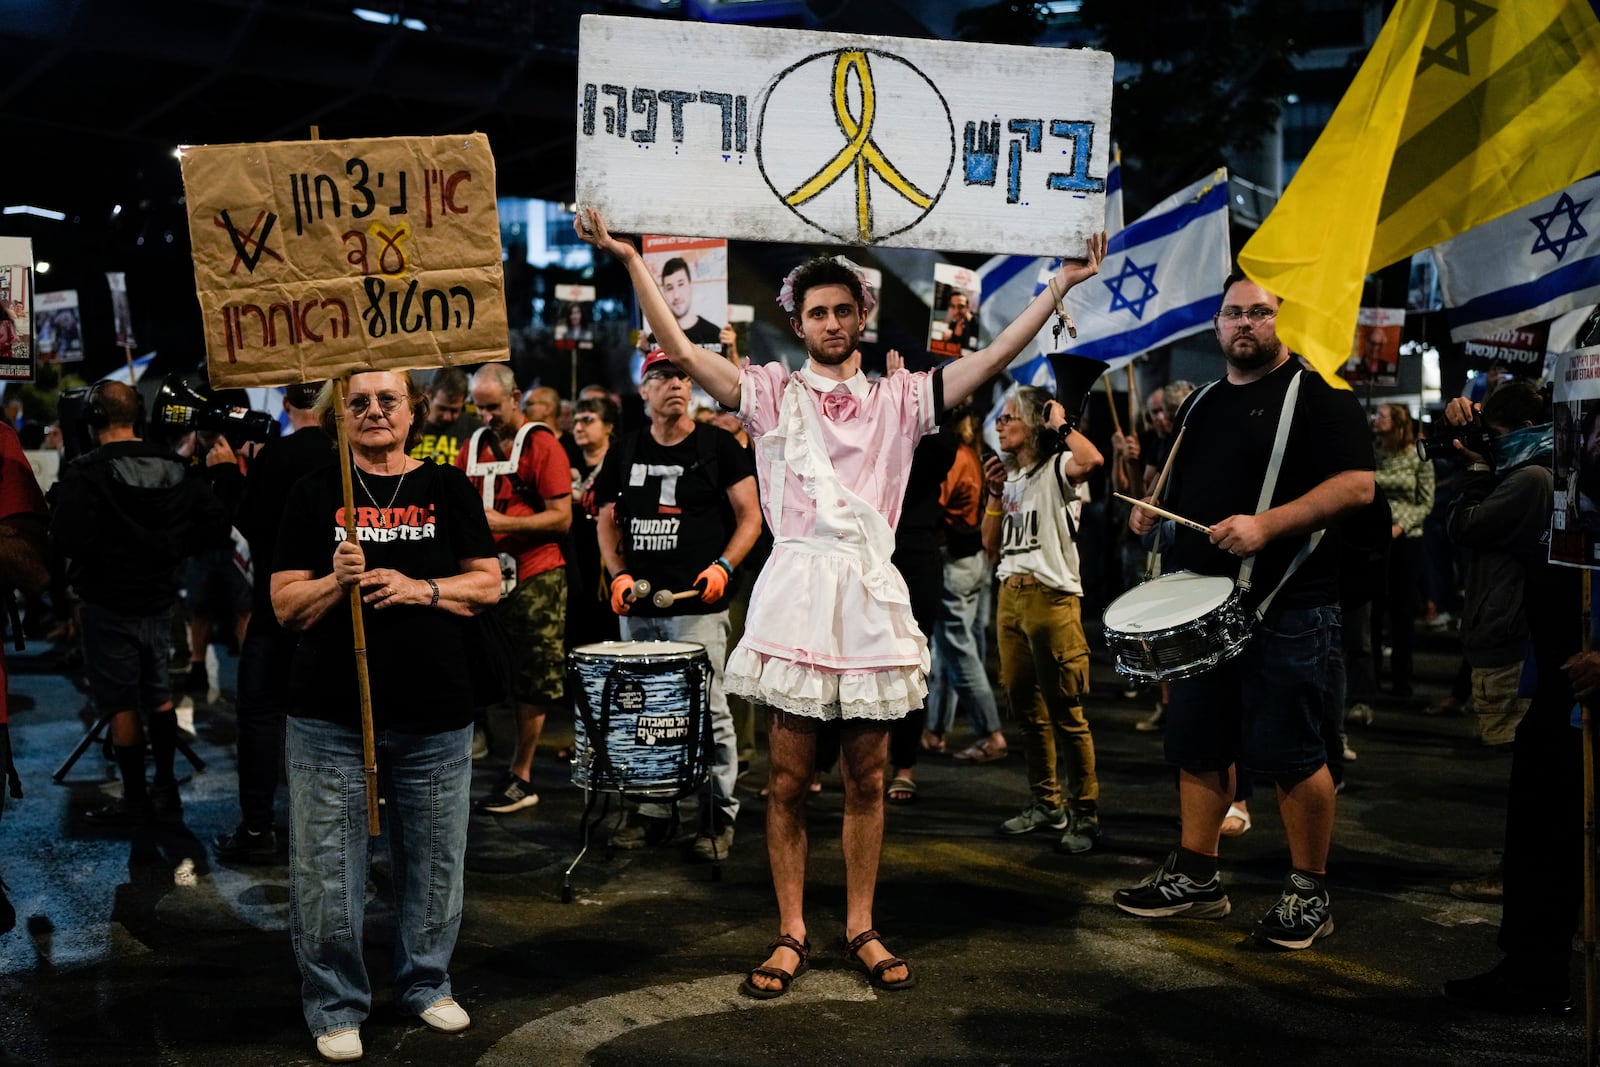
(861, 152)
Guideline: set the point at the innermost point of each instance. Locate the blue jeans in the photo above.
(958, 676)
(425, 780)
(712, 632)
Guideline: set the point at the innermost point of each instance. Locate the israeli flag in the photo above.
(1526, 266)
(1161, 280)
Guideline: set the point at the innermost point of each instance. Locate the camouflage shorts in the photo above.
(535, 619)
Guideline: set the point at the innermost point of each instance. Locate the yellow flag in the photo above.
(1462, 111)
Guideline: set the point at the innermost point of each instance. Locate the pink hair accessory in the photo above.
(869, 296)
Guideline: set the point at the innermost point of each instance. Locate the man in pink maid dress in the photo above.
(829, 634)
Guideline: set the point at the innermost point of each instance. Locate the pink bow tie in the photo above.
(840, 405)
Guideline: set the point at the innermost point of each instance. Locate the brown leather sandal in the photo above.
(874, 973)
(784, 978)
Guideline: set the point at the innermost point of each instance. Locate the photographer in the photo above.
(1503, 514)
(127, 514)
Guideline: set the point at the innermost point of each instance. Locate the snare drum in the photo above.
(642, 717)
(1176, 626)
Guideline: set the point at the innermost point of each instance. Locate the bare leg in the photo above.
(792, 751)
(1307, 809)
(1203, 800)
(199, 640)
(125, 730)
(530, 724)
(863, 747)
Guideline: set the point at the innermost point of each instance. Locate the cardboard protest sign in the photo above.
(692, 273)
(1575, 524)
(313, 258)
(953, 327)
(16, 317)
(809, 136)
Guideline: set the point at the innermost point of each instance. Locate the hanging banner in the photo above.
(692, 273)
(1375, 355)
(16, 317)
(809, 136)
(1575, 523)
(313, 258)
(574, 318)
(58, 330)
(953, 328)
(1522, 350)
(742, 318)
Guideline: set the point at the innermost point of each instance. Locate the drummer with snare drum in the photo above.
(678, 513)
(1260, 710)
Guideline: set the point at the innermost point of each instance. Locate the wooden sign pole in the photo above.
(358, 628)
(1591, 1018)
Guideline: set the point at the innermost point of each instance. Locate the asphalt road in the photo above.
(141, 949)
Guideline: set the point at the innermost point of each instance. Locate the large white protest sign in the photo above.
(790, 135)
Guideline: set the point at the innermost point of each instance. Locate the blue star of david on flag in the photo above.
(1131, 271)
(1569, 208)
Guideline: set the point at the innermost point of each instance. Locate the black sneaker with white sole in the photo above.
(512, 794)
(1302, 914)
(1168, 892)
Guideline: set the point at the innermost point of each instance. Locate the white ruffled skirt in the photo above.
(817, 643)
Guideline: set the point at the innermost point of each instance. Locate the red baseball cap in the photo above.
(655, 359)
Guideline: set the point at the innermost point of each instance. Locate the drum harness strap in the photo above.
(1264, 501)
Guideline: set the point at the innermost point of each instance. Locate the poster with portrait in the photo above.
(16, 318)
(1375, 353)
(57, 329)
(742, 318)
(692, 273)
(953, 327)
(574, 329)
(121, 315)
(873, 277)
(1575, 522)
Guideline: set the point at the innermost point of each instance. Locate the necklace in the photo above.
(385, 513)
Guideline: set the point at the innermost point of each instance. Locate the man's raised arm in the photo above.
(711, 372)
(964, 376)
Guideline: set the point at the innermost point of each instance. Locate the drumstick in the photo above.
(640, 590)
(665, 599)
(1164, 513)
(1166, 469)
(1111, 402)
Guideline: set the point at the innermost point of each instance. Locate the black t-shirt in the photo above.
(1223, 463)
(416, 655)
(707, 335)
(672, 511)
(281, 463)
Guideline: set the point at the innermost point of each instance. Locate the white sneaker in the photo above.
(1349, 754)
(340, 1046)
(446, 1016)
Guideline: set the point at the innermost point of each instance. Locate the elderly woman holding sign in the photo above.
(425, 563)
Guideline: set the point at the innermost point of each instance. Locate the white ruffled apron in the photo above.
(829, 633)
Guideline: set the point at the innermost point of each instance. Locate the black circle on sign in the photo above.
(761, 124)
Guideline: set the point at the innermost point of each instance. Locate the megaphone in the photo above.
(1075, 378)
(179, 409)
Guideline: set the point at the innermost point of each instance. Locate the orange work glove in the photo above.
(621, 594)
(715, 579)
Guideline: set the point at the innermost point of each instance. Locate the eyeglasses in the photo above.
(665, 375)
(1006, 417)
(387, 403)
(584, 420)
(1259, 313)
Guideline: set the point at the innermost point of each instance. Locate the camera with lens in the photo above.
(1473, 437)
(179, 409)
